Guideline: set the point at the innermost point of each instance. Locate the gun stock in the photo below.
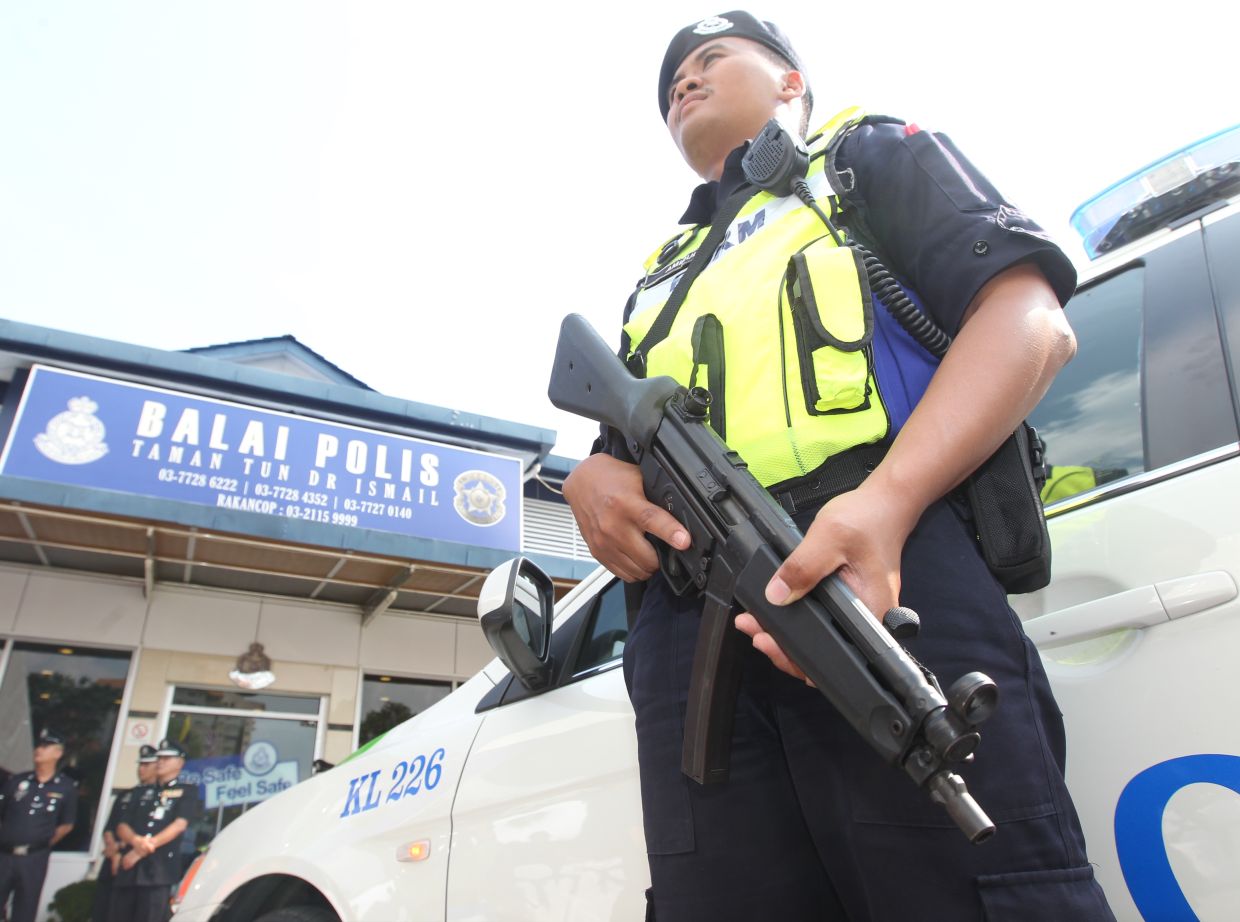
(589, 380)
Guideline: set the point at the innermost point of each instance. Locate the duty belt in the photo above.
(838, 474)
(22, 849)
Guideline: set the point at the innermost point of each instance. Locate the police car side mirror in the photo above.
(515, 608)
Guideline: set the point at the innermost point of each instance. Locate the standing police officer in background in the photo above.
(151, 828)
(113, 849)
(37, 810)
(804, 372)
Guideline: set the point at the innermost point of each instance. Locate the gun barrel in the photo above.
(588, 379)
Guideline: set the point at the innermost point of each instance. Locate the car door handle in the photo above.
(1145, 606)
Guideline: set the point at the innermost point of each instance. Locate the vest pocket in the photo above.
(708, 356)
(833, 324)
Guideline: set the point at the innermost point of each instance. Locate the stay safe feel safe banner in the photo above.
(88, 431)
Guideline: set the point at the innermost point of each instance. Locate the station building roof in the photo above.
(159, 539)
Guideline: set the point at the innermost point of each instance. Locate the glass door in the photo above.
(242, 748)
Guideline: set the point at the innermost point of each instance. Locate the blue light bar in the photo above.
(1173, 187)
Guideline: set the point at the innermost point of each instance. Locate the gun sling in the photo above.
(701, 259)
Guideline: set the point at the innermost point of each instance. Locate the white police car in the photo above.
(516, 798)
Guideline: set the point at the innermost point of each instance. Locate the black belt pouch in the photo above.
(1007, 512)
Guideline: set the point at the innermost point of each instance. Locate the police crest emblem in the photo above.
(712, 25)
(74, 436)
(479, 498)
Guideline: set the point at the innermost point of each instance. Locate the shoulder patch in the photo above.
(1013, 219)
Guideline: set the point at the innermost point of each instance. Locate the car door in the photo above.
(1139, 627)
(546, 825)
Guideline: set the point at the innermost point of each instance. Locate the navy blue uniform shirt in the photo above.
(119, 808)
(153, 809)
(30, 809)
(937, 222)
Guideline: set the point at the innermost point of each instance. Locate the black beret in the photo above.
(737, 24)
(170, 748)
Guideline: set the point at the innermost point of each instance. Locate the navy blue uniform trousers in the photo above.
(102, 901)
(812, 826)
(22, 876)
(141, 904)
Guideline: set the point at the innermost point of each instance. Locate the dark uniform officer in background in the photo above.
(810, 826)
(37, 810)
(151, 830)
(113, 849)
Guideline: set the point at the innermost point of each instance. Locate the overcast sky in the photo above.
(420, 192)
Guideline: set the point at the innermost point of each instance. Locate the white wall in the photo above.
(81, 609)
(50, 605)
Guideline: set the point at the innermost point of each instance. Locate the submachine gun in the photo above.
(739, 537)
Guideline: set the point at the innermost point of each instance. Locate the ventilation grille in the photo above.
(551, 529)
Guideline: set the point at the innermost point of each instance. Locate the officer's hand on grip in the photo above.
(859, 534)
(614, 516)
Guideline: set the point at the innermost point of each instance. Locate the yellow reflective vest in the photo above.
(779, 327)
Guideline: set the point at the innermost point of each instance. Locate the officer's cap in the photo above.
(169, 748)
(147, 753)
(737, 24)
(50, 738)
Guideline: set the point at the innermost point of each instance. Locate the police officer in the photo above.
(113, 848)
(809, 825)
(151, 829)
(37, 809)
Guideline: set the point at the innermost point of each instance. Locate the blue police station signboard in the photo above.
(88, 431)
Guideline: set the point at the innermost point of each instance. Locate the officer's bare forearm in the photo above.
(1013, 343)
(60, 833)
(168, 833)
(125, 833)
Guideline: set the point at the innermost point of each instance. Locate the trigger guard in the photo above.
(673, 569)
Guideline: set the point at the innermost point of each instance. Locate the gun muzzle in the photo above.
(948, 789)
